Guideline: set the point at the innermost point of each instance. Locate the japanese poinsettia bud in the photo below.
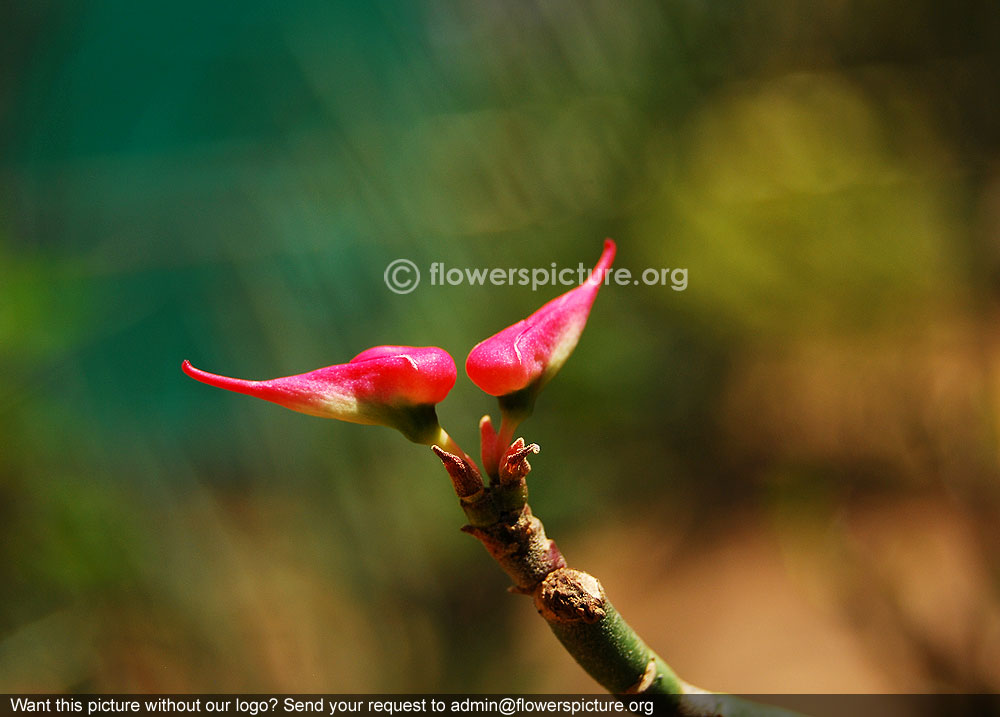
(396, 386)
(515, 363)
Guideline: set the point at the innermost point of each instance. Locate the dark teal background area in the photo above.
(796, 439)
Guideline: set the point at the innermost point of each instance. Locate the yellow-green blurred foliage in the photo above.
(786, 476)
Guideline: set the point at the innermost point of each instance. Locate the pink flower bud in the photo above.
(529, 353)
(396, 386)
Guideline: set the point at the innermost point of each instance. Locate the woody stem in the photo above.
(578, 612)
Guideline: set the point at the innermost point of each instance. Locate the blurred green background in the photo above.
(786, 476)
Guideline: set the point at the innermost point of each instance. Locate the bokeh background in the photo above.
(786, 476)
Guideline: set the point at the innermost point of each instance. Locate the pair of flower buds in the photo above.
(399, 386)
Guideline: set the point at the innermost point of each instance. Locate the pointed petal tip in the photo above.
(605, 261)
(212, 379)
(190, 370)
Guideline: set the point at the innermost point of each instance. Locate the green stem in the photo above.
(595, 634)
(508, 425)
(573, 602)
(449, 444)
(580, 615)
(598, 638)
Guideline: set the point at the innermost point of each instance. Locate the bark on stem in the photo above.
(575, 607)
(592, 631)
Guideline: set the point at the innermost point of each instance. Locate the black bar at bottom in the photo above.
(334, 705)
